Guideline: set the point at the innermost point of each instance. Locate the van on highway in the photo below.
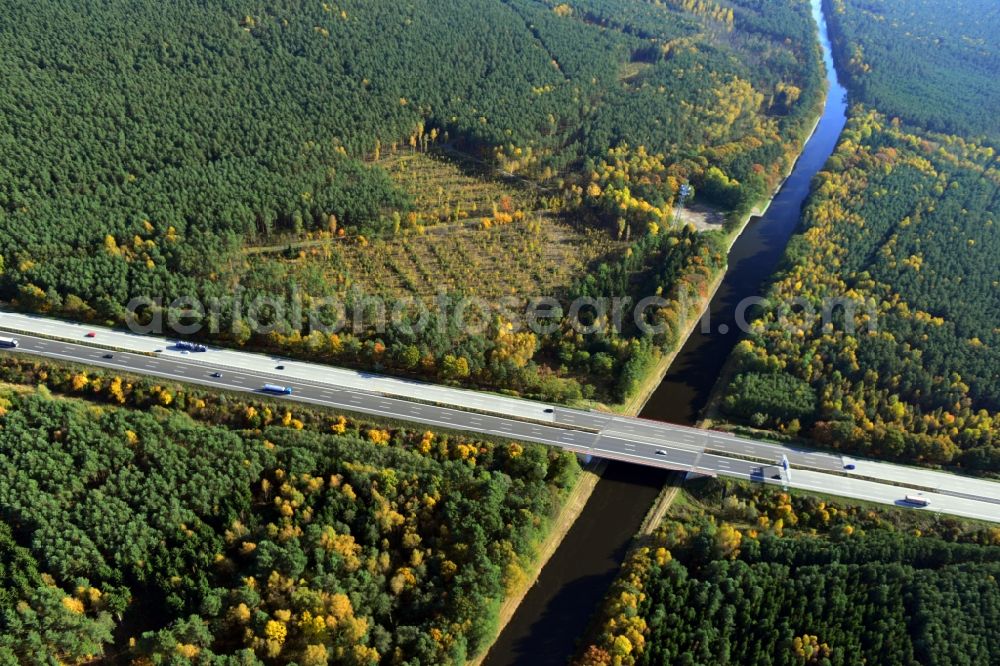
(9, 343)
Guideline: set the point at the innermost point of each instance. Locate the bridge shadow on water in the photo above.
(557, 609)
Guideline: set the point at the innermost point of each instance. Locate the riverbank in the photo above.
(564, 520)
(634, 405)
(559, 605)
(662, 504)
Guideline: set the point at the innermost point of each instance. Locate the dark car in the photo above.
(216, 374)
(109, 356)
(848, 465)
(279, 367)
(549, 410)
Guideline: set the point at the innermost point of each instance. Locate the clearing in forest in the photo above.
(465, 233)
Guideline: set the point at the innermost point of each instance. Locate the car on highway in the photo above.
(279, 367)
(549, 410)
(661, 452)
(90, 334)
(109, 356)
(849, 466)
(216, 374)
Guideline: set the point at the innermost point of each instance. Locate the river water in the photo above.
(555, 612)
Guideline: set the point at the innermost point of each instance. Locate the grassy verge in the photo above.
(666, 498)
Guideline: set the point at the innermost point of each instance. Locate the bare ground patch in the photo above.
(702, 217)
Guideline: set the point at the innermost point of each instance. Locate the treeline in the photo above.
(899, 247)
(285, 535)
(183, 132)
(932, 64)
(759, 577)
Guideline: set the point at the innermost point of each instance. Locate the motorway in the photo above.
(584, 432)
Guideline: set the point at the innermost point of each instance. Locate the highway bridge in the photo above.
(586, 432)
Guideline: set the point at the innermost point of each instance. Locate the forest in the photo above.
(740, 574)
(161, 524)
(900, 236)
(146, 147)
(932, 64)
(880, 334)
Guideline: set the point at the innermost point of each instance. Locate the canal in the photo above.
(554, 614)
